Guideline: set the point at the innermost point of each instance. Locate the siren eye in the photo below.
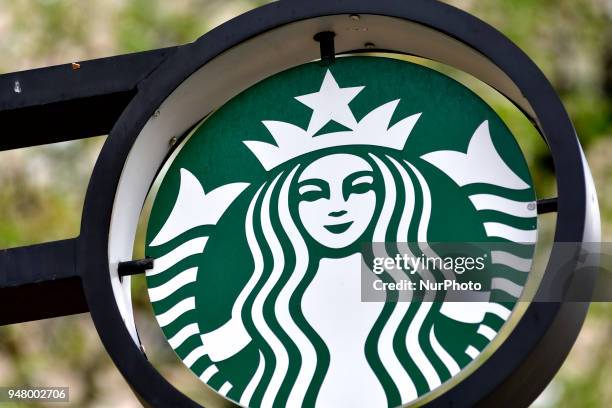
(312, 190)
(358, 183)
(362, 181)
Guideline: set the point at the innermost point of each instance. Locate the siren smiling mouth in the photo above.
(338, 228)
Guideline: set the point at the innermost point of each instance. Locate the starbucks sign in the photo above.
(258, 224)
(308, 182)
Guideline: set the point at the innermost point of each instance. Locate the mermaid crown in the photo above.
(331, 103)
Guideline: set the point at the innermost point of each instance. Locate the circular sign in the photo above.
(259, 226)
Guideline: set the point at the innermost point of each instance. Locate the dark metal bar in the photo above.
(328, 48)
(71, 101)
(39, 282)
(134, 267)
(547, 205)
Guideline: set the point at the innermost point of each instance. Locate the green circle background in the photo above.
(216, 155)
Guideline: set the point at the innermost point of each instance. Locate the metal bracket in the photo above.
(547, 205)
(328, 49)
(135, 267)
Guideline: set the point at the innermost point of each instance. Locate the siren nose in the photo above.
(337, 213)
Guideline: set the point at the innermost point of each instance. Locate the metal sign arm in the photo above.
(40, 282)
(48, 105)
(71, 101)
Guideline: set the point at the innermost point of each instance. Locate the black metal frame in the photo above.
(137, 84)
(43, 280)
(71, 101)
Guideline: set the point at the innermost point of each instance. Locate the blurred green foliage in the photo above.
(42, 188)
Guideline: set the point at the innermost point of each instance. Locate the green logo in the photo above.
(258, 227)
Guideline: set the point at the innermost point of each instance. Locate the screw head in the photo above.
(531, 206)
(355, 17)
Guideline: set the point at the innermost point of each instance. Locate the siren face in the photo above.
(259, 227)
(337, 199)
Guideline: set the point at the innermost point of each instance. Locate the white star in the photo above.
(330, 103)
